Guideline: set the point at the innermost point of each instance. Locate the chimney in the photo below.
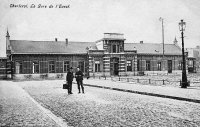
(141, 42)
(56, 39)
(66, 40)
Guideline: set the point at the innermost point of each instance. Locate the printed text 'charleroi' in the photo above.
(39, 6)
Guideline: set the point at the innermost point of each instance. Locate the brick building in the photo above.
(108, 56)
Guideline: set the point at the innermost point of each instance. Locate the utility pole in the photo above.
(161, 19)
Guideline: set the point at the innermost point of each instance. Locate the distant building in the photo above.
(108, 56)
(193, 59)
(3, 61)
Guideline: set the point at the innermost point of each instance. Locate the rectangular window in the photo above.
(129, 65)
(180, 65)
(159, 66)
(121, 47)
(27, 67)
(117, 48)
(18, 67)
(148, 65)
(138, 65)
(190, 63)
(114, 49)
(35, 67)
(97, 66)
(3, 67)
(59, 66)
(43, 67)
(66, 66)
(51, 66)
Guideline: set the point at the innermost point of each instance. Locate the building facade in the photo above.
(3, 65)
(109, 56)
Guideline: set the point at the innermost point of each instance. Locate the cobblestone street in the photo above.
(17, 109)
(102, 107)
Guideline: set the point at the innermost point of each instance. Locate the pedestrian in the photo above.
(79, 79)
(69, 79)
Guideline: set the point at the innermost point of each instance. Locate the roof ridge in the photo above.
(50, 41)
(36, 41)
(81, 41)
(149, 43)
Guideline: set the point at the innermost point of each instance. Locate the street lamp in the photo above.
(184, 84)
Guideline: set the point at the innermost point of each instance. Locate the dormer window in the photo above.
(115, 48)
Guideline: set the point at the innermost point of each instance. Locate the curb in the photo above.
(58, 120)
(146, 93)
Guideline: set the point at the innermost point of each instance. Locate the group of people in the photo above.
(79, 80)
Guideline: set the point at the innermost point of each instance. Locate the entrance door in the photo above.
(169, 66)
(114, 66)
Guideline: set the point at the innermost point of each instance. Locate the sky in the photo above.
(87, 20)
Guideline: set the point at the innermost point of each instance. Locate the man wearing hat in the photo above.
(69, 79)
(79, 79)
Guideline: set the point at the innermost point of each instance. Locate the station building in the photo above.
(109, 56)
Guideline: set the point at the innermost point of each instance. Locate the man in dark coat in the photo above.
(79, 79)
(69, 79)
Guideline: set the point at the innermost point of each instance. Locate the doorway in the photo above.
(169, 66)
(114, 66)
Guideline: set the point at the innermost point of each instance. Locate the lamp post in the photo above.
(184, 83)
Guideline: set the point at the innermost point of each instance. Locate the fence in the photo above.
(161, 80)
(149, 81)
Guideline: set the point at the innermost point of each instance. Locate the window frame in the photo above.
(114, 49)
(52, 68)
(35, 67)
(20, 67)
(43, 67)
(97, 66)
(148, 65)
(129, 65)
(159, 66)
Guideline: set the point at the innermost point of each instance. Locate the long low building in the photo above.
(108, 56)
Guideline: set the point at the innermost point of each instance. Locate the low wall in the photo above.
(39, 76)
(99, 74)
(96, 74)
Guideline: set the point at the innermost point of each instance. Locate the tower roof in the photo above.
(7, 34)
(175, 41)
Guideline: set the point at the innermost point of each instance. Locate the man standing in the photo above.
(69, 79)
(79, 79)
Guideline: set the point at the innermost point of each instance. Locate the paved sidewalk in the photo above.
(17, 108)
(191, 94)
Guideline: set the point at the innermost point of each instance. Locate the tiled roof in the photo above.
(153, 48)
(60, 47)
(50, 47)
